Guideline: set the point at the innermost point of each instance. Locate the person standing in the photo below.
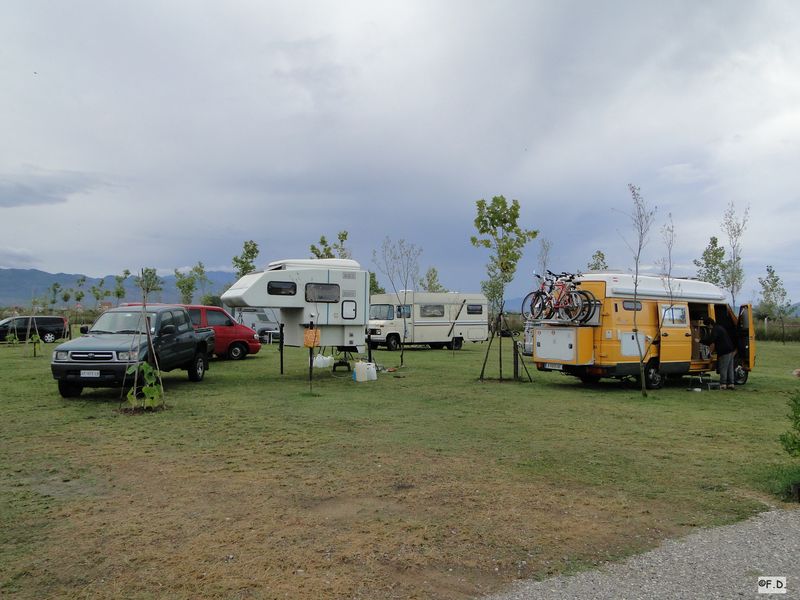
(725, 349)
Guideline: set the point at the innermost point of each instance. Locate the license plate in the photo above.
(554, 366)
(90, 373)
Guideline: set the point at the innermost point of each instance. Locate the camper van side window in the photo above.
(322, 292)
(403, 311)
(474, 309)
(431, 310)
(281, 288)
(631, 305)
(673, 315)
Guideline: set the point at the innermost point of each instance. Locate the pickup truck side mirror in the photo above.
(168, 330)
(84, 329)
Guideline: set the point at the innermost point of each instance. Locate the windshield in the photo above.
(383, 312)
(122, 322)
(6, 321)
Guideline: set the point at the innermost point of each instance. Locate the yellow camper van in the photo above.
(669, 329)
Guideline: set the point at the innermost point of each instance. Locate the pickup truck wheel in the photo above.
(49, 337)
(69, 390)
(237, 351)
(197, 368)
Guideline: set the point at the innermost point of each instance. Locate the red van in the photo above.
(233, 340)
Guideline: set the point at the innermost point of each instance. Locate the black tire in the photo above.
(457, 343)
(739, 375)
(527, 305)
(572, 308)
(237, 351)
(48, 337)
(541, 307)
(589, 306)
(69, 390)
(653, 379)
(392, 342)
(197, 368)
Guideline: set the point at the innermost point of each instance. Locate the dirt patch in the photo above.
(190, 529)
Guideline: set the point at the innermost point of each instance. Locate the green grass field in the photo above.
(424, 484)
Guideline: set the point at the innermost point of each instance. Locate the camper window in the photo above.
(322, 292)
(404, 311)
(631, 305)
(474, 309)
(383, 312)
(281, 288)
(431, 310)
(673, 315)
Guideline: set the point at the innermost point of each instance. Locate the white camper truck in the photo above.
(436, 319)
(330, 294)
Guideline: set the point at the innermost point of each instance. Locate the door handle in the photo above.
(665, 334)
(687, 334)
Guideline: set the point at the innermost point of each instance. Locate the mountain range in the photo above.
(19, 286)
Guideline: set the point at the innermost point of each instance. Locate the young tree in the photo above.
(245, 262)
(641, 217)
(335, 250)
(774, 299)
(544, 255)
(598, 262)
(399, 262)
(734, 227)
(119, 288)
(430, 283)
(186, 284)
(499, 231)
(79, 293)
(374, 286)
(148, 281)
(99, 292)
(199, 272)
(666, 264)
(711, 264)
(54, 289)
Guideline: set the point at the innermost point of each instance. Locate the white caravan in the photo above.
(436, 319)
(332, 294)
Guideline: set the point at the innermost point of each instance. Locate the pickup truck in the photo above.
(118, 339)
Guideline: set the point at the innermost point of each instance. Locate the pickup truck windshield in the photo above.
(384, 312)
(122, 322)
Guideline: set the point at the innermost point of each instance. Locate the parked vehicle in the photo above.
(435, 319)
(669, 329)
(232, 340)
(49, 327)
(118, 339)
(331, 294)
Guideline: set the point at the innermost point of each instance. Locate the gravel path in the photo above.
(723, 562)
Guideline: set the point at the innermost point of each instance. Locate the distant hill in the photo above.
(19, 286)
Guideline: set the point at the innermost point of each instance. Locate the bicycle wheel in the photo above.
(527, 305)
(541, 307)
(571, 307)
(589, 306)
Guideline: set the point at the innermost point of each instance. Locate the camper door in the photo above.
(676, 335)
(746, 337)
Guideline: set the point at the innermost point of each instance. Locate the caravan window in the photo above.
(281, 288)
(431, 310)
(474, 309)
(673, 315)
(382, 312)
(631, 305)
(404, 311)
(322, 292)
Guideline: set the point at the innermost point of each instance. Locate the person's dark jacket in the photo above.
(721, 340)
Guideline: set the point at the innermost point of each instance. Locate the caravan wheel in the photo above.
(653, 380)
(392, 343)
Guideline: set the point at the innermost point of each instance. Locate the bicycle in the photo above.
(557, 297)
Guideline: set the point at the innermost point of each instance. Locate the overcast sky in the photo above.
(162, 133)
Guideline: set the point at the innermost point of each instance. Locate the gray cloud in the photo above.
(34, 186)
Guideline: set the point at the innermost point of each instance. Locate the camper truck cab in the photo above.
(331, 295)
(669, 330)
(435, 319)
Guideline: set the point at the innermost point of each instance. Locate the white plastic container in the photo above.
(360, 371)
(372, 372)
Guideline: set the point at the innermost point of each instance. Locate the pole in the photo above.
(280, 345)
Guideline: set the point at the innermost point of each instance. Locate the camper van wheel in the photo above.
(457, 343)
(653, 380)
(739, 375)
(237, 351)
(392, 343)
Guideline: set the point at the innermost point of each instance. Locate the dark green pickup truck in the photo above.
(118, 339)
